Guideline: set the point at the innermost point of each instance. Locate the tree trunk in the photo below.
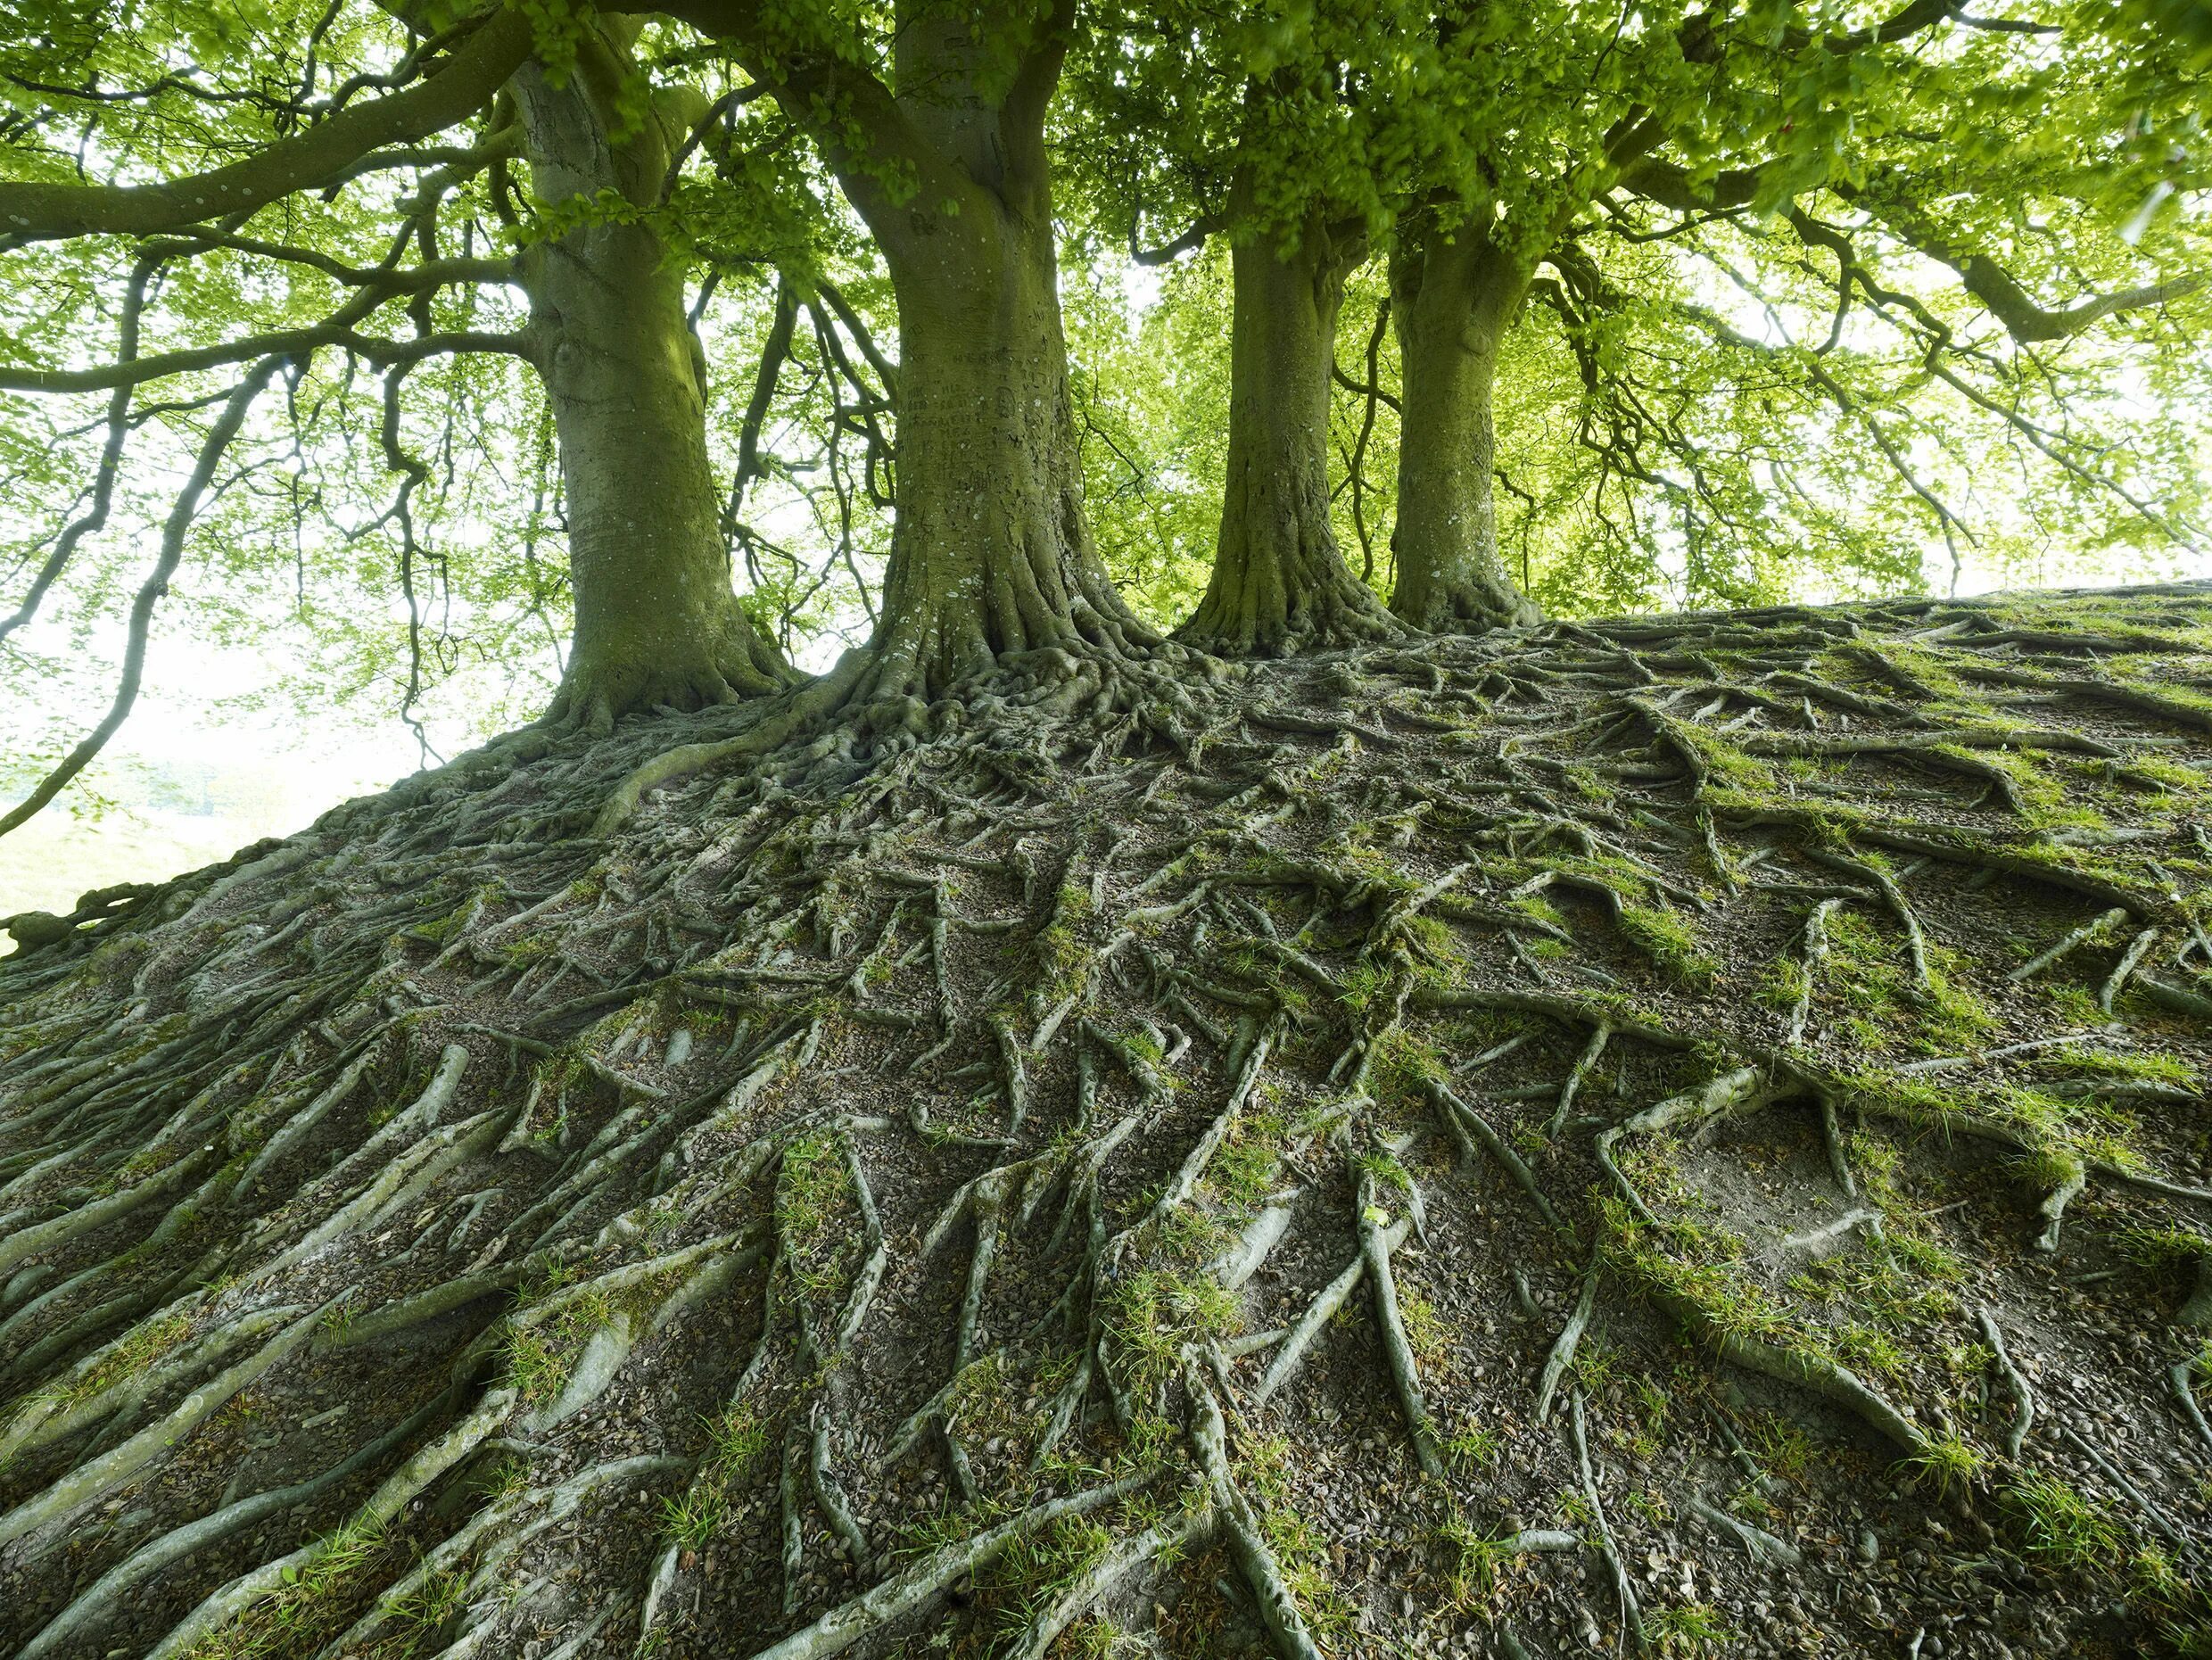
(991, 552)
(656, 620)
(1279, 582)
(1450, 299)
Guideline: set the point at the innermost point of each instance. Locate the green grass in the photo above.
(2063, 1527)
(311, 1604)
(693, 1519)
(814, 1210)
(1948, 1464)
(539, 1355)
(1474, 1448)
(136, 1349)
(737, 1439)
(1688, 1629)
(1782, 982)
(1478, 1562)
(1671, 944)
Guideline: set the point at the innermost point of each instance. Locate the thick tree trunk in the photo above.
(1450, 301)
(991, 553)
(1279, 582)
(656, 622)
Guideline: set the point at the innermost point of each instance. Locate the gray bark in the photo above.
(1279, 582)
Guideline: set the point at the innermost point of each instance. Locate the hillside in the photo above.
(1659, 1134)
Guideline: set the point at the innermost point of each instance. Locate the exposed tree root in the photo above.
(926, 1157)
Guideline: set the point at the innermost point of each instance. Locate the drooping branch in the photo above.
(95, 517)
(173, 536)
(777, 349)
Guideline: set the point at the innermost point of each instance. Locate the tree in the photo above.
(936, 128)
(1779, 116)
(656, 620)
(607, 332)
(1036, 1142)
(1247, 126)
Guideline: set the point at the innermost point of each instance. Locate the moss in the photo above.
(1727, 765)
(1062, 956)
(309, 1607)
(1538, 909)
(1399, 1063)
(1589, 785)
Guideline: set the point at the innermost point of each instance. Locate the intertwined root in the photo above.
(1423, 1141)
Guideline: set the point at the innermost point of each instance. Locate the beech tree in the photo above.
(1243, 133)
(1483, 144)
(1466, 1133)
(1757, 100)
(605, 330)
(1749, 147)
(934, 120)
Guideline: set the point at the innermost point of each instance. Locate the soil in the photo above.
(884, 1194)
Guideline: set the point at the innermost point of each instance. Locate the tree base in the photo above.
(603, 685)
(994, 1178)
(1332, 612)
(1468, 607)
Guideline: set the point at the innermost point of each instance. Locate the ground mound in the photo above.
(1647, 1135)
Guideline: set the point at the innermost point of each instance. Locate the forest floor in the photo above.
(1680, 1134)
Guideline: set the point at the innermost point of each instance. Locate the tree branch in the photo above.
(149, 593)
(91, 522)
(1917, 17)
(32, 213)
(283, 342)
(1167, 253)
(2000, 293)
(834, 100)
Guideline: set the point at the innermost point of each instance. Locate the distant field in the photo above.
(206, 795)
(44, 866)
